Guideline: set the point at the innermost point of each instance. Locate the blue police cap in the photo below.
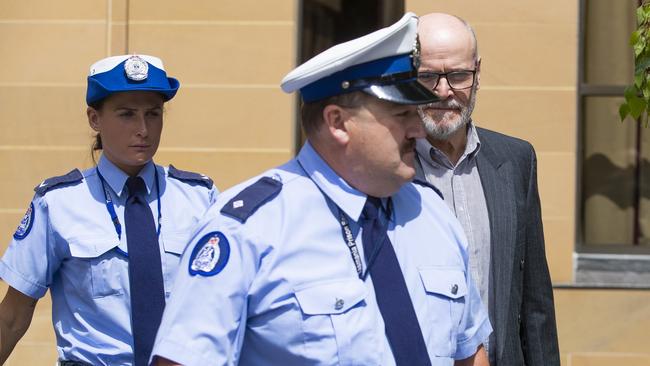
(383, 64)
(128, 73)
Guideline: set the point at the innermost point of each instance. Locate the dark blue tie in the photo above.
(402, 327)
(145, 271)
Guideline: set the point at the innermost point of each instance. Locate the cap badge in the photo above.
(415, 55)
(136, 68)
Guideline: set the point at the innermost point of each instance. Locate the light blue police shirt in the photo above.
(289, 293)
(73, 249)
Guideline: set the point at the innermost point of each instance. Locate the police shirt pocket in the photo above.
(334, 321)
(174, 244)
(332, 297)
(446, 288)
(106, 265)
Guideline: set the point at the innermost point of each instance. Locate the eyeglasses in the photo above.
(457, 80)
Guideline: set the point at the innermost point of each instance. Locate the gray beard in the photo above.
(439, 131)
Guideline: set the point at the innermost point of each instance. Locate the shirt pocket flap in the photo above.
(332, 297)
(90, 247)
(176, 241)
(449, 282)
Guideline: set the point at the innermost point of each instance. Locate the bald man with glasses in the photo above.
(489, 181)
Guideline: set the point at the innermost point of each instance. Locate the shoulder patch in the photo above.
(72, 178)
(26, 223)
(428, 185)
(190, 177)
(243, 205)
(210, 255)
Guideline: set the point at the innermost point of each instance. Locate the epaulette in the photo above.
(428, 185)
(190, 177)
(73, 177)
(244, 204)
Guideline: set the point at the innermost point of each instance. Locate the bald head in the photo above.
(451, 67)
(447, 34)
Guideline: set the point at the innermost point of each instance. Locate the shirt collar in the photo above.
(473, 143)
(430, 153)
(347, 198)
(116, 178)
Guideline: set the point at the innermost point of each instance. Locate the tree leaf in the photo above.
(637, 106)
(646, 94)
(642, 64)
(623, 111)
(636, 109)
(630, 92)
(634, 38)
(645, 12)
(638, 80)
(639, 46)
(637, 96)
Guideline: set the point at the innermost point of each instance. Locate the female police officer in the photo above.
(106, 241)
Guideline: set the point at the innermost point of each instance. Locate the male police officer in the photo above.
(334, 258)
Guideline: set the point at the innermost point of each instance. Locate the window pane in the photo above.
(608, 55)
(612, 212)
(329, 22)
(607, 173)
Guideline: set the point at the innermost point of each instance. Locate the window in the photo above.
(325, 23)
(614, 157)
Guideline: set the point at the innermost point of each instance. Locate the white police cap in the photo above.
(383, 64)
(127, 73)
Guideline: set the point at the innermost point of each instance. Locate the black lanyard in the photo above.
(352, 244)
(111, 208)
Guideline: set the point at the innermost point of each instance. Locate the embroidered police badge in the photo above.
(210, 255)
(136, 68)
(25, 224)
(415, 54)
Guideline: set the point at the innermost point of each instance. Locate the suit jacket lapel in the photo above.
(495, 171)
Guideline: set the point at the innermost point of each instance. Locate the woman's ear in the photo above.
(93, 118)
(334, 118)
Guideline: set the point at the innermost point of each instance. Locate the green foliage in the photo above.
(637, 96)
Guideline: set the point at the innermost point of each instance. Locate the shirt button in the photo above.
(454, 289)
(338, 305)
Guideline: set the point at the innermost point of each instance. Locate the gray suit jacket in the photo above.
(521, 297)
(521, 306)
